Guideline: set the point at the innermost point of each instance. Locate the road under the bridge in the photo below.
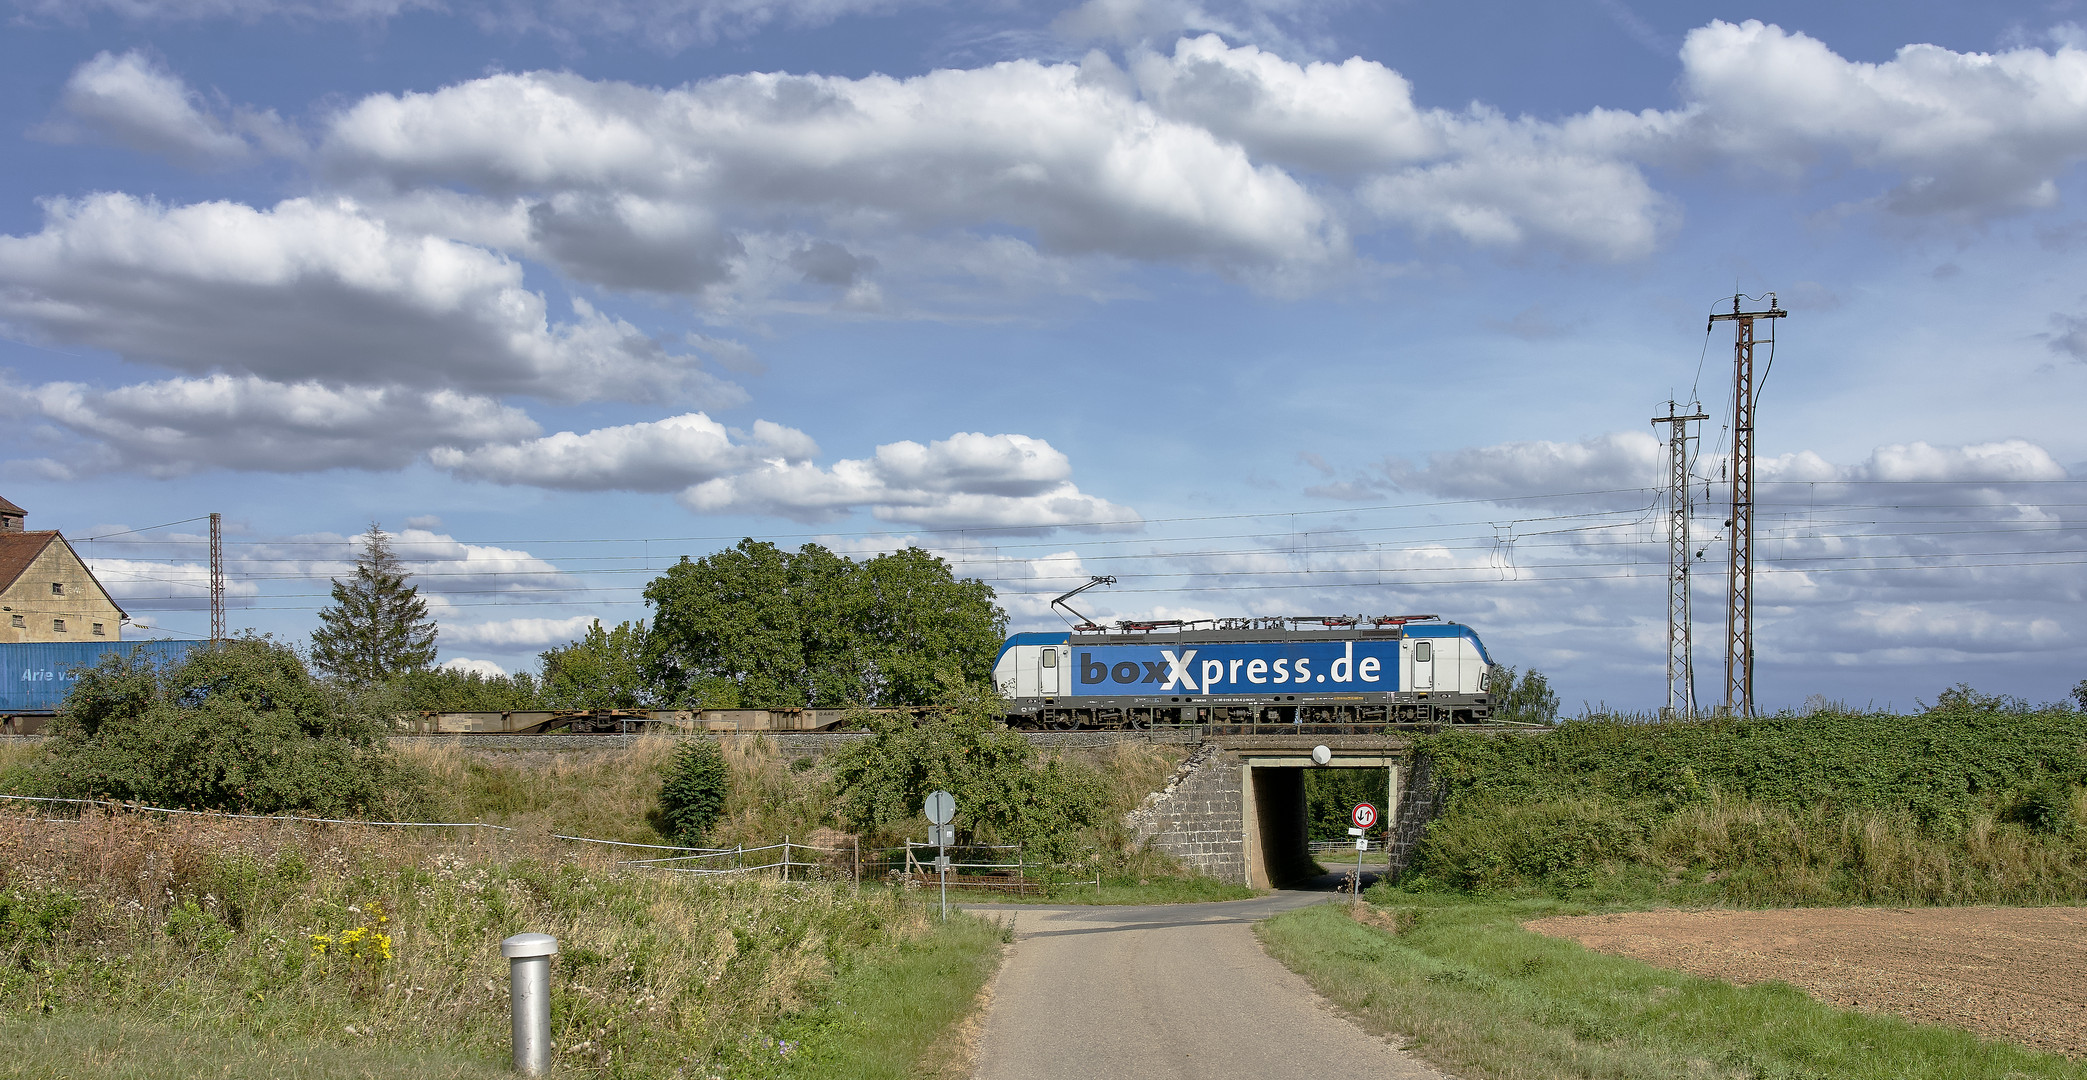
(1277, 845)
(1163, 992)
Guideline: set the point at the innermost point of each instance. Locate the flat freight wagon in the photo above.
(35, 676)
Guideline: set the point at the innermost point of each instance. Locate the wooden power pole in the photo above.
(1739, 572)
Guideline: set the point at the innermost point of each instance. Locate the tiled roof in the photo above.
(18, 550)
(10, 508)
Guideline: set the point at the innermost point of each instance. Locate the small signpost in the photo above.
(941, 809)
(1364, 816)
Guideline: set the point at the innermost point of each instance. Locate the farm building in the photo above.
(46, 591)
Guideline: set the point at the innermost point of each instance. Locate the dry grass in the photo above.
(1821, 855)
(607, 794)
(80, 1047)
(1135, 770)
(214, 920)
(15, 759)
(772, 796)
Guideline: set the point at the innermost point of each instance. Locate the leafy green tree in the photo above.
(693, 794)
(605, 669)
(1526, 699)
(727, 617)
(1003, 794)
(447, 689)
(927, 627)
(813, 628)
(378, 625)
(241, 725)
(840, 661)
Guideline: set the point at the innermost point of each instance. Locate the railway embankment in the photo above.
(1978, 801)
(1603, 829)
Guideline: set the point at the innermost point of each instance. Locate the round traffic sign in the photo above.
(1365, 815)
(941, 807)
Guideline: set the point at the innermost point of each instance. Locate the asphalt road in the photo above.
(1179, 990)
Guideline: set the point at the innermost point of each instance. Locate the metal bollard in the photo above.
(529, 980)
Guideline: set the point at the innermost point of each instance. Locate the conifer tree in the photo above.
(378, 625)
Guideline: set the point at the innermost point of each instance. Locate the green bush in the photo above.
(2046, 807)
(1560, 841)
(1004, 795)
(693, 794)
(237, 726)
(1974, 800)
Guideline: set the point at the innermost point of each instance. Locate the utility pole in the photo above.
(1681, 663)
(1739, 572)
(217, 577)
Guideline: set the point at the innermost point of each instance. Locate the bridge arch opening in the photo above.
(1276, 814)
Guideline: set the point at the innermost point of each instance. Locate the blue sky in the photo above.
(1264, 307)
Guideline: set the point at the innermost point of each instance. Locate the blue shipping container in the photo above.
(36, 675)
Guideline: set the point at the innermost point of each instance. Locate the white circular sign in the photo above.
(940, 808)
(1365, 815)
(1321, 755)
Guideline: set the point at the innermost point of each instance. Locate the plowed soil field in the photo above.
(2008, 973)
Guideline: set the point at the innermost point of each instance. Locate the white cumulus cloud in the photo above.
(176, 426)
(317, 290)
(660, 455)
(469, 666)
(522, 633)
(967, 480)
(1017, 145)
(133, 101)
(1971, 133)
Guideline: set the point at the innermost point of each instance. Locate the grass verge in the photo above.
(87, 1047)
(893, 1017)
(376, 941)
(1484, 998)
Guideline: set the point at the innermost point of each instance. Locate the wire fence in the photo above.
(790, 860)
(1344, 847)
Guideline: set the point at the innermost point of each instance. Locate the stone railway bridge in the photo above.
(1234, 809)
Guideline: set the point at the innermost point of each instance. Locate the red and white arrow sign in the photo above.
(1365, 815)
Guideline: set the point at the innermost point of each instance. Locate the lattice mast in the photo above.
(217, 577)
(1681, 669)
(1739, 571)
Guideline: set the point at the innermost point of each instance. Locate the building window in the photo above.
(57, 588)
(98, 631)
(58, 626)
(21, 622)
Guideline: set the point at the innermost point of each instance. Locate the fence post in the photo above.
(529, 995)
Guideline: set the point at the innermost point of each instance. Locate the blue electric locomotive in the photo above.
(1344, 670)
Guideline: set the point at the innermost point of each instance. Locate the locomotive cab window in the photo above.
(1423, 651)
(1050, 658)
